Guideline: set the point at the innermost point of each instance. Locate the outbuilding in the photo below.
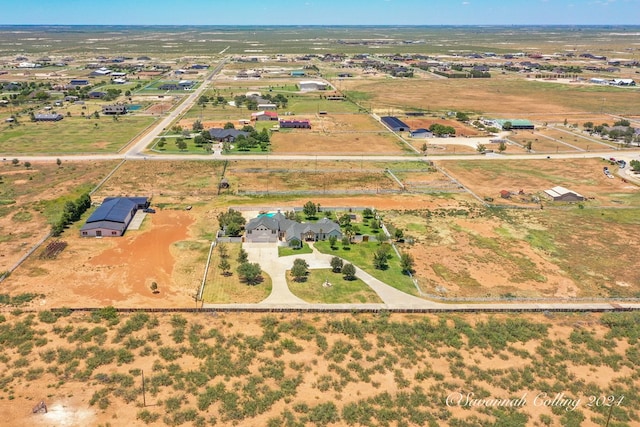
(395, 124)
(561, 194)
(113, 216)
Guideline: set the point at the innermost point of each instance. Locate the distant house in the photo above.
(186, 84)
(226, 135)
(199, 66)
(114, 109)
(271, 229)
(345, 75)
(395, 124)
(295, 124)
(267, 106)
(264, 116)
(54, 117)
(100, 72)
(113, 216)
(623, 82)
(421, 133)
(505, 194)
(298, 73)
(516, 124)
(561, 194)
(96, 95)
(310, 85)
(70, 98)
(169, 86)
(79, 82)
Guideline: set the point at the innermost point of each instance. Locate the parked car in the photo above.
(149, 210)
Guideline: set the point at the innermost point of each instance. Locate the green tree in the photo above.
(154, 287)
(332, 241)
(310, 209)
(229, 125)
(225, 266)
(27, 165)
(588, 126)
(182, 144)
(345, 242)
(508, 125)
(197, 126)
(367, 213)
(528, 145)
(398, 234)
(481, 148)
(502, 146)
(336, 264)
(635, 165)
(462, 117)
(243, 256)
(406, 263)
(58, 162)
(299, 270)
(380, 259)
(349, 272)
(250, 272)
(198, 140)
(222, 250)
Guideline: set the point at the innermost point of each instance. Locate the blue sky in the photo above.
(322, 12)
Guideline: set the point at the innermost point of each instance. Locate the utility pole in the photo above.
(144, 396)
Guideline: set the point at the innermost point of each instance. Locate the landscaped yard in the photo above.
(226, 289)
(339, 290)
(361, 255)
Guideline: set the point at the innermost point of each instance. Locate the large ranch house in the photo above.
(272, 228)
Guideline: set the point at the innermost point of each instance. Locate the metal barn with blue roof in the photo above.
(113, 216)
(395, 124)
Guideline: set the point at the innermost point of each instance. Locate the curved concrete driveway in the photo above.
(266, 254)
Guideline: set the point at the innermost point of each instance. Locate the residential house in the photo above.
(79, 82)
(53, 117)
(421, 133)
(114, 109)
(226, 135)
(273, 228)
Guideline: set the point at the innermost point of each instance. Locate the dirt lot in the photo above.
(28, 197)
(116, 271)
(88, 369)
(584, 176)
(311, 142)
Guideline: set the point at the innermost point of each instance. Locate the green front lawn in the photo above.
(287, 251)
(361, 255)
(341, 291)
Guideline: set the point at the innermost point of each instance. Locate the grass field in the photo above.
(312, 289)
(228, 289)
(361, 255)
(71, 135)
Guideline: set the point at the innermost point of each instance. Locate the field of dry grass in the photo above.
(229, 369)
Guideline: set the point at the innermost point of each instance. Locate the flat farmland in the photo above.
(71, 135)
(335, 123)
(471, 251)
(165, 181)
(312, 142)
(32, 199)
(292, 180)
(583, 142)
(496, 95)
(488, 178)
(540, 144)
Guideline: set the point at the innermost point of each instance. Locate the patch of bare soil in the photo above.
(113, 271)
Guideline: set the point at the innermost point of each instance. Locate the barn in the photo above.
(561, 194)
(113, 216)
(395, 124)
